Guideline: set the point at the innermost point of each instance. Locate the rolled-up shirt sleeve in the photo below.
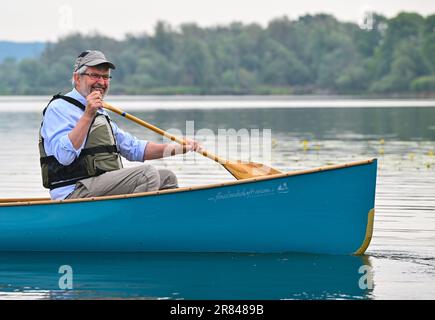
(131, 148)
(57, 126)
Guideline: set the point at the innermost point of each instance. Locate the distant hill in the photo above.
(20, 50)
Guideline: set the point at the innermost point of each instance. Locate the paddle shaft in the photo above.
(160, 131)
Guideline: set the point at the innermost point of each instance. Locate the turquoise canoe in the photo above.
(323, 210)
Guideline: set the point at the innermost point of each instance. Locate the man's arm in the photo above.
(135, 149)
(157, 150)
(57, 124)
(78, 135)
(80, 131)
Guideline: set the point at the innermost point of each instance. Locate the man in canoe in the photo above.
(81, 147)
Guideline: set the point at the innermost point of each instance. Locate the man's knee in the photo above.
(168, 179)
(149, 179)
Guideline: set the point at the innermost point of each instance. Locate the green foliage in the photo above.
(423, 84)
(315, 53)
(428, 47)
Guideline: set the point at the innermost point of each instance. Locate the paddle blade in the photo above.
(248, 170)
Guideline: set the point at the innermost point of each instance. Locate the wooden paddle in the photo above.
(238, 169)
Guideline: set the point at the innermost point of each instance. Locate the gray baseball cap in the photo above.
(91, 58)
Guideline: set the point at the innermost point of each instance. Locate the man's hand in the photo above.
(174, 149)
(161, 150)
(191, 145)
(94, 102)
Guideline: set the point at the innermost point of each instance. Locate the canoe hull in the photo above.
(317, 212)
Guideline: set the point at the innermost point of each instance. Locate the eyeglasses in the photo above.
(96, 76)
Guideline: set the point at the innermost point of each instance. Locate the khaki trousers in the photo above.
(137, 179)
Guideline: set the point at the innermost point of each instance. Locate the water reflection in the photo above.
(323, 123)
(403, 124)
(184, 276)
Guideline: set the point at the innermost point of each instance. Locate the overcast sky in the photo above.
(29, 20)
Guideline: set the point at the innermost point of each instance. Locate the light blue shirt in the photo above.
(60, 118)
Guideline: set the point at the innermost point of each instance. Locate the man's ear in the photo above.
(76, 78)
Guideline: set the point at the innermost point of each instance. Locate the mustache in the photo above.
(99, 86)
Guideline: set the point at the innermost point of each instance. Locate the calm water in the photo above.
(304, 134)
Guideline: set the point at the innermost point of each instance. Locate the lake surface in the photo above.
(305, 133)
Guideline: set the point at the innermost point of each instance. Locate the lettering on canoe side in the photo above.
(282, 188)
(250, 193)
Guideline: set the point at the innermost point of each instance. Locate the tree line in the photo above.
(314, 54)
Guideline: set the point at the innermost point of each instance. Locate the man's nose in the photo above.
(101, 81)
